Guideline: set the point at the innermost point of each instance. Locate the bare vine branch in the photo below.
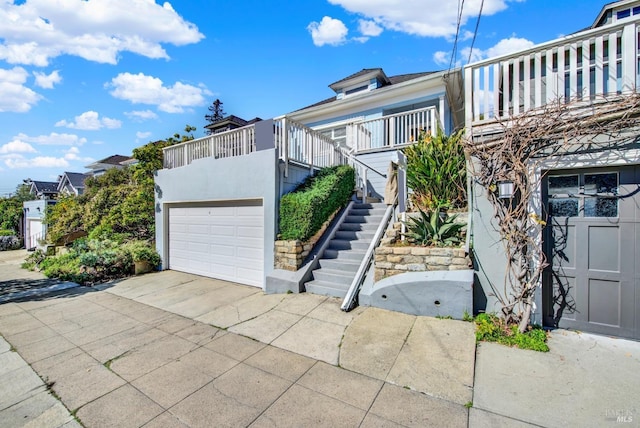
(513, 150)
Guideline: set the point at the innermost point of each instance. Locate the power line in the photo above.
(455, 41)
(475, 33)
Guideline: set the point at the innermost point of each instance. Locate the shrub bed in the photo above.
(10, 242)
(92, 261)
(306, 209)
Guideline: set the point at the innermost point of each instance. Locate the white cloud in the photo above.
(369, 28)
(141, 115)
(90, 121)
(432, 18)
(503, 47)
(142, 89)
(52, 139)
(14, 96)
(35, 31)
(142, 135)
(37, 162)
(17, 146)
(47, 81)
(329, 31)
(441, 58)
(73, 154)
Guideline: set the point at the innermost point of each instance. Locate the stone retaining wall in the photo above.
(290, 255)
(394, 258)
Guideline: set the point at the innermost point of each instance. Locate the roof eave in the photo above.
(349, 101)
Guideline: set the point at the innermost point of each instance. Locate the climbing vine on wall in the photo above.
(518, 150)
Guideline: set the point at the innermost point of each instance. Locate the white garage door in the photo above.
(221, 241)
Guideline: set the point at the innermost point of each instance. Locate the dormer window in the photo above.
(621, 14)
(367, 79)
(358, 89)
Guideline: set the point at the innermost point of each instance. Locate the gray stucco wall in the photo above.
(253, 176)
(489, 257)
(295, 176)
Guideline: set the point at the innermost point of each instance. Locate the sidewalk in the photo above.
(172, 349)
(119, 361)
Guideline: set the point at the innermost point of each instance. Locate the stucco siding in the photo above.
(253, 176)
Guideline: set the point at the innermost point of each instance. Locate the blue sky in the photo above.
(81, 80)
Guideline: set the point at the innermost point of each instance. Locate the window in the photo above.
(358, 89)
(339, 135)
(621, 14)
(583, 195)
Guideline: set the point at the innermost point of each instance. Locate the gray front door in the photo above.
(592, 244)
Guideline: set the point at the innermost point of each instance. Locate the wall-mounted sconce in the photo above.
(505, 189)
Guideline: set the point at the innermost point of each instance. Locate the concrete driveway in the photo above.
(172, 349)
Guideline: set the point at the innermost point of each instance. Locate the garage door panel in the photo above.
(224, 242)
(249, 232)
(604, 249)
(222, 230)
(604, 302)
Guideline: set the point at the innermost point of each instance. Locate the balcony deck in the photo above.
(585, 68)
(298, 143)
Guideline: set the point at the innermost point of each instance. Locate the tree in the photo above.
(11, 208)
(217, 113)
(120, 201)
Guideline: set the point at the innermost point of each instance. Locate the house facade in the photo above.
(72, 183)
(586, 191)
(217, 197)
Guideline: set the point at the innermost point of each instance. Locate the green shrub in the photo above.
(436, 171)
(490, 328)
(435, 228)
(64, 266)
(7, 232)
(33, 260)
(142, 251)
(303, 211)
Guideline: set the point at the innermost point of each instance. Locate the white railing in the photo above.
(583, 67)
(301, 144)
(33, 239)
(237, 142)
(393, 130)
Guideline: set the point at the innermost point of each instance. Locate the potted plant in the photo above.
(144, 256)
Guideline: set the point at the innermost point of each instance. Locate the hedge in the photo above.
(304, 211)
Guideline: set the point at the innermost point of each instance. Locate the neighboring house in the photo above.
(229, 123)
(35, 229)
(43, 189)
(217, 197)
(592, 237)
(72, 183)
(114, 161)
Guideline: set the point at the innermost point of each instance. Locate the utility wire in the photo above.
(475, 32)
(455, 41)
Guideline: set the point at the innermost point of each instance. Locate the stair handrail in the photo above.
(349, 156)
(354, 288)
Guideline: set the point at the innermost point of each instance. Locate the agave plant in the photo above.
(435, 228)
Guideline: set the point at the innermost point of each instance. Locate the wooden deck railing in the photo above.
(582, 67)
(301, 144)
(232, 143)
(393, 130)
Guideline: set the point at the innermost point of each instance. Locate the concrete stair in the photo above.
(340, 261)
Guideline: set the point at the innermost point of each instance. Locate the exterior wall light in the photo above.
(505, 189)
